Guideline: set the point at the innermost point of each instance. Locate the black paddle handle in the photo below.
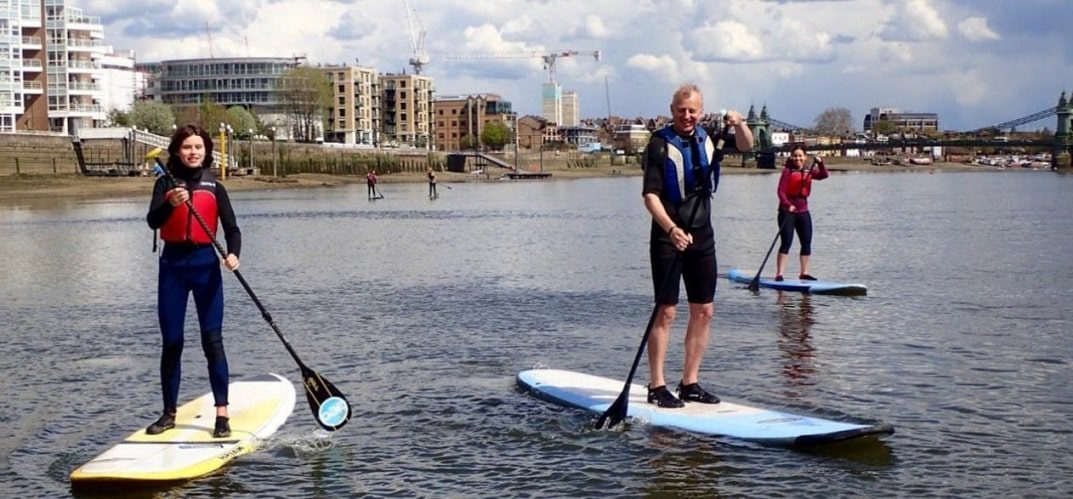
(242, 280)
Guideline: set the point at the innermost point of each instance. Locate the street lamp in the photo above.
(223, 150)
(230, 152)
(251, 149)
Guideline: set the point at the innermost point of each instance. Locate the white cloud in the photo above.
(725, 41)
(663, 65)
(975, 29)
(913, 21)
(797, 57)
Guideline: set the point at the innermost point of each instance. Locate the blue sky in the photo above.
(975, 62)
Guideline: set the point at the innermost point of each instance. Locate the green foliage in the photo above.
(467, 142)
(306, 96)
(118, 118)
(212, 115)
(241, 121)
(153, 116)
(883, 127)
(495, 135)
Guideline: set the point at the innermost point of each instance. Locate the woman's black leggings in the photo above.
(802, 223)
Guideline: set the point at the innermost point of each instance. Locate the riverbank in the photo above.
(15, 188)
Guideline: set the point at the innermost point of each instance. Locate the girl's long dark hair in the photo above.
(182, 133)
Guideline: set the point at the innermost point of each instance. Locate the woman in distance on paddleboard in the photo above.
(795, 185)
(189, 265)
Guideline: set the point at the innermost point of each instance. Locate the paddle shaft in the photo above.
(619, 408)
(242, 280)
(754, 285)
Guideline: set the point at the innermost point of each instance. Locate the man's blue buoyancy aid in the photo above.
(690, 175)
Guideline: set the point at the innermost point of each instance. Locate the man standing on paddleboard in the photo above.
(188, 264)
(681, 166)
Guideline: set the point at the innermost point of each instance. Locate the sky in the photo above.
(974, 62)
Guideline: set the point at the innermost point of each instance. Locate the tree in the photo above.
(883, 127)
(306, 95)
(117, 117)
(835, 121)
(153, 116)
(495, 135)
(242, 121)
(467, 142)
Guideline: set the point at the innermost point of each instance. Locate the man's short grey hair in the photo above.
(685, 90)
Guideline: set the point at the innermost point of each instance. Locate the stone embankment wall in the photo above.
(28, 154)
(36, 155)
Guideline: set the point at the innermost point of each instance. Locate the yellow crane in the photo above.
(549, 58)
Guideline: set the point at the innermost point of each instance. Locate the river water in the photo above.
(422, 312)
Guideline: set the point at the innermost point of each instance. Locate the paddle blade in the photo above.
(754, 285)
(614, 414)
(328, 404)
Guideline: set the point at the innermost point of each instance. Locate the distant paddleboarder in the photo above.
(189, 265)
(432, 184)
(370, 182)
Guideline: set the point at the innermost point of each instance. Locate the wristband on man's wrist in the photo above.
(670, 231)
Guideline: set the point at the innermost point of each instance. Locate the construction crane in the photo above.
(550, 58)
(417, 39)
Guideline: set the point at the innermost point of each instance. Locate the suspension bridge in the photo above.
(765, 150)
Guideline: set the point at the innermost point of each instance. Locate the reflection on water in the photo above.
(423, 312)
(795, 339)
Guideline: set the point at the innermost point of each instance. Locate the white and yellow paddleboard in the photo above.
(258, 407)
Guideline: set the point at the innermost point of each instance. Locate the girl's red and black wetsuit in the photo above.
(189, 264)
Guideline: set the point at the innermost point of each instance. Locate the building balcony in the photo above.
(32, 87)
(88, 110)
(32, 43)
(83, 88)
(32, 65)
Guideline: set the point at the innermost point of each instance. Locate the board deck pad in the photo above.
(258, 407)
(596, 394)
(813, 287)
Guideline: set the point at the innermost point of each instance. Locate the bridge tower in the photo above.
(1063, 135)
(761, 128)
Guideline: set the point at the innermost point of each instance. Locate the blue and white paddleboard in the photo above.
(596, 394)
(814, 287)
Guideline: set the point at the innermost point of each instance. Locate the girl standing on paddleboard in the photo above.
(189, 265)
(795, 185)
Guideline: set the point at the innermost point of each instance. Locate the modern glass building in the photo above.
(250, 82)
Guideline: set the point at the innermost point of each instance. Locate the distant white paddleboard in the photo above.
(596, 394)
(258, 407)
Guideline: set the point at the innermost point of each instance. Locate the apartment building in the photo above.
(571, 111)
(354, 117)
(50, 67)
(900, 120)
(406, 110)
(460, 119)
(535, 131)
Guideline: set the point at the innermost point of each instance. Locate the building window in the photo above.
(342, 88)
(402, 84)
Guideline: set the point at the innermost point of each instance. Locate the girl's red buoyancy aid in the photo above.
(800, 184)
(182, 227)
